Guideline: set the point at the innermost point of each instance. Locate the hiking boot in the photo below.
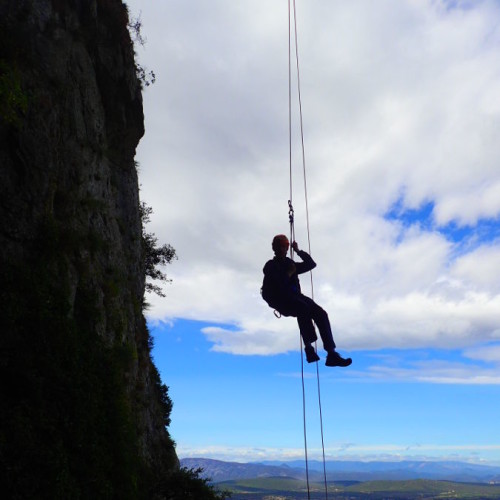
(311, 355)
(335, 359)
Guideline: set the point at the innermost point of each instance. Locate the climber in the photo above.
(281, 290)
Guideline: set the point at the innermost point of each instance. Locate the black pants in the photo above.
(306, 311)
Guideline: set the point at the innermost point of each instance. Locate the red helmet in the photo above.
(279, 241)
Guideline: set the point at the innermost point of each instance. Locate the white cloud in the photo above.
(473, 366)
(350, 451)
(400, 102)
(477, 269)
(477, 202)
(490, 353)
(438, 373)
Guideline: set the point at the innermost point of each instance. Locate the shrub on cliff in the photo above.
(154, 255)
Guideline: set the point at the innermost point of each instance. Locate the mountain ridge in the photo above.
(340, 470)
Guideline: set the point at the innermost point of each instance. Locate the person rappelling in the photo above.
(281, 290)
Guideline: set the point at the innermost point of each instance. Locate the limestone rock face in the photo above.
(75, 350)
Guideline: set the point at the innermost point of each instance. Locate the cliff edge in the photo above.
(84, 412)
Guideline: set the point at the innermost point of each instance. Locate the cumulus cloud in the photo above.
(401, 107)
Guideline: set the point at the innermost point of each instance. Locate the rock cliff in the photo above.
(84, 413)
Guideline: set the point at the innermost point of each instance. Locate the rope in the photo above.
(304, 419)
(292, 229)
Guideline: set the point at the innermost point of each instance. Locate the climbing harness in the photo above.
(291, 218)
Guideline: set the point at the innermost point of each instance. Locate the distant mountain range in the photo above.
(340, 470)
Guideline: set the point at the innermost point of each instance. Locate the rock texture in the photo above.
(84, 412)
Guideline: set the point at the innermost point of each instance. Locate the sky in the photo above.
(401, 120)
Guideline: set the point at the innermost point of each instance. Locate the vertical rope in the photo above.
(290, 109)
(292, 232)
(307, 222)
(322, 438)
(304, 418)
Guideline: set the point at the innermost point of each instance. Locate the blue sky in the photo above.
(401, 107)
(249, 408)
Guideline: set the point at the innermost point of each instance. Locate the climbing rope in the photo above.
(291, 216)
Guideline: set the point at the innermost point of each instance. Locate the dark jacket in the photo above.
(278, 288)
